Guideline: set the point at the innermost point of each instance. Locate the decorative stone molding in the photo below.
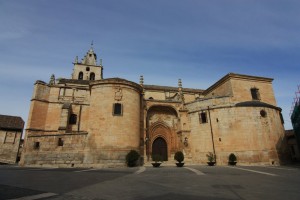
(118, 94)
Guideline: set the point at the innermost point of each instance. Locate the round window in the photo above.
(263, 113)
(87, 69)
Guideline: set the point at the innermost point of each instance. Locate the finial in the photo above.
(179, 83)
(181, 95)
(92, 49)
(52, 80)
(141, 80)
(76, 59)
(100, 61)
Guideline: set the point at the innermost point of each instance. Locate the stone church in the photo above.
(91, 121)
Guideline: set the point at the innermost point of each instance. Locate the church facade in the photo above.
(91, 121)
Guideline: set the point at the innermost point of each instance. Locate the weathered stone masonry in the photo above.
(89, 121)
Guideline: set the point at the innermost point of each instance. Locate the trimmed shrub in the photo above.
(179, 156)
(232, 157)
(132, 157)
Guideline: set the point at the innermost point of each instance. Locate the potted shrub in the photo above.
(211, 159)
(179, 157)
(232, 159)
(157, 160)
(131, 158)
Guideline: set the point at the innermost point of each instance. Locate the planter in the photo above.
(232, 163)
(179, 164)
(155, 164)
(211, 163)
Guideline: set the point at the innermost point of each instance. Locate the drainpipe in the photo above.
(79, 118)
(147, 140)
(19, 146)
(211, 132)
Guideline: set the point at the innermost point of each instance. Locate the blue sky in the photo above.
(196, 40)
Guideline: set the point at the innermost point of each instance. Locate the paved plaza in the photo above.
(145, 183)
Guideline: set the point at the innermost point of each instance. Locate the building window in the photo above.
(73, 119)
(263, 113)
(117, 109)
(92, 76)
(60, 142)
(255, 94)
(36, 145)
(87, 69)
(203, 117)
(80, 76)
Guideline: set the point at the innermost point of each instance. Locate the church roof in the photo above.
(169, 88)
(147, 87)
(73, 81)
(11, 122)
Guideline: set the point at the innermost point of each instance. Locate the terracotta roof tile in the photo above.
(11, 122)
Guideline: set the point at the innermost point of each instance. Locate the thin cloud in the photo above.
(197, 41)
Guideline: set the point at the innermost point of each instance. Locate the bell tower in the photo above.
(88, 68)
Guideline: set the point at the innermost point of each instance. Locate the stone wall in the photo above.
(98, 137)
(95, 123)
(241, 90)
(157, 95)
(61, 150)
(239, 130)
(9, 146)
(112, 136)
(223, 89)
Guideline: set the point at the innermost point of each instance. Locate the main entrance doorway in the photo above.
(159, 147)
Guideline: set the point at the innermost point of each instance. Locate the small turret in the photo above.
(76, 59)
(142, 81)
(52, 80)
(181, 96)
(179, 84)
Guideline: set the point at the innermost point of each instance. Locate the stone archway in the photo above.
(161, 131)
(159, 147)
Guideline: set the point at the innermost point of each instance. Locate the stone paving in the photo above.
(145, 183)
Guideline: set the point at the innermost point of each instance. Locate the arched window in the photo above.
(92, 76)
(80, 76)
